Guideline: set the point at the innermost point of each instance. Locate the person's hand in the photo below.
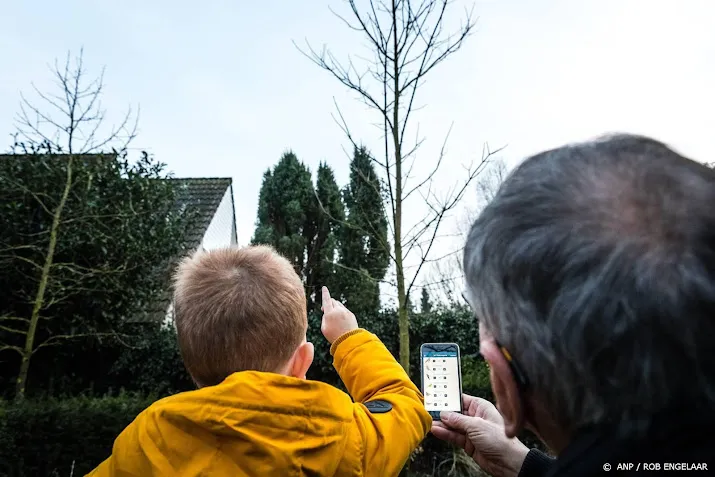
(337, 320)
(480, 432)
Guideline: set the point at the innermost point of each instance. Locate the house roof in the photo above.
(203, 195)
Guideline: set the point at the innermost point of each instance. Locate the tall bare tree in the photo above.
(408, 39)
(68, 122)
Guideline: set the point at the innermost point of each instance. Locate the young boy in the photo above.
(241, 320)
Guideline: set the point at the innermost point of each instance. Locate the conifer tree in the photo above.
(301, 222)
(364, 246)
(285, 201)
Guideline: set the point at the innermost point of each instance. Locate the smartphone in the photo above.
(441, 378)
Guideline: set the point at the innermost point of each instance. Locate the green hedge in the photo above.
(45, 437)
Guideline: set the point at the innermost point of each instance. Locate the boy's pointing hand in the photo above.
(337, 320)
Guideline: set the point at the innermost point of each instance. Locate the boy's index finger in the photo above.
(327, 301)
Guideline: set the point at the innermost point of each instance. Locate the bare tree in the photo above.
(489, 183)
(66, 122)
(408, 40)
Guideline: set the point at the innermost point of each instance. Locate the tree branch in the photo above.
(347, 224)
(17, 349)
(363, 273)
(13, 330)
(56, 339)
(438, 164)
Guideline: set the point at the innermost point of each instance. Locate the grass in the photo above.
(457, 464)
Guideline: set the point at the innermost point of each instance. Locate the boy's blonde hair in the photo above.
(237, 309)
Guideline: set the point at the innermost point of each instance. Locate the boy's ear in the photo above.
(302, 359)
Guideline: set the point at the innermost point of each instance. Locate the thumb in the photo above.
(456, 421)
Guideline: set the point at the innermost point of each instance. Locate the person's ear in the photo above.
(505, 388)
(302, 359)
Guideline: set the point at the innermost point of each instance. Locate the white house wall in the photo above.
(221, 232)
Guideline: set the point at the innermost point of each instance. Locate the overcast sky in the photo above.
(224, 92)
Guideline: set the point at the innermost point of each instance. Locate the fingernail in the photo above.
(444, 415)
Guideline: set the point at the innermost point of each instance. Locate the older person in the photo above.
(592, 275)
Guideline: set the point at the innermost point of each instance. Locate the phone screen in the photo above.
(441, 378)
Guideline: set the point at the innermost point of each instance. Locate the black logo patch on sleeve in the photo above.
(378, 406)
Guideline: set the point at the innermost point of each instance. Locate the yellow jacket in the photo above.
(264, 424)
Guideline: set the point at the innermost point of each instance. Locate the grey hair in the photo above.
(595, 266)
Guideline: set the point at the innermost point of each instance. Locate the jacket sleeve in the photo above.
(536, 464)
(371, 373)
